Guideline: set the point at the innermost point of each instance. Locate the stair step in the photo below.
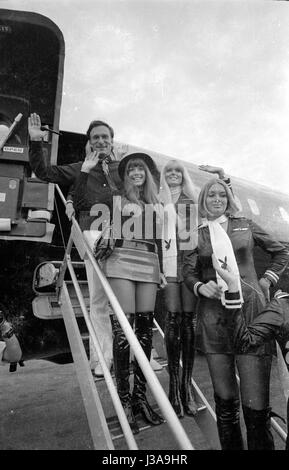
(116, 430)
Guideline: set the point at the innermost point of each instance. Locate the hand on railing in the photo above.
(69, 210)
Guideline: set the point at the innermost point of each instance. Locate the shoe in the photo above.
(98, 372)
(127, 408)
(188, 401)
(155, 365)
(140, 405)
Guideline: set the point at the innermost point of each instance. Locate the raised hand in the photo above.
(34, 127)
(213, 169)
(90, 161)
(69, 210)
(95, 156)
(102, 152)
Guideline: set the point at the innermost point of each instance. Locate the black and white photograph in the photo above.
(144, 228)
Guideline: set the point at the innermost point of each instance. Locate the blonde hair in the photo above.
(187, 185)
(231, 208)
(148, 190)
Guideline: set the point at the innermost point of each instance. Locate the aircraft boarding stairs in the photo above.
(70, 301)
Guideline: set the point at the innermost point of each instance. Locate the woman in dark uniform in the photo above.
(133, 271)
(232, 240)
(271, 323)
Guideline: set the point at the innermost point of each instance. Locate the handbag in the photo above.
(104, 245)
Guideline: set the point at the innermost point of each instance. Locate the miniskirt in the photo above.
(133, 264)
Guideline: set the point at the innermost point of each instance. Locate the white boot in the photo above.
(98, 372)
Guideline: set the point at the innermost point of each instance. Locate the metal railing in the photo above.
(77, 238)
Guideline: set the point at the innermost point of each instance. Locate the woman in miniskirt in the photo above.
(232, 240)
(133, 271)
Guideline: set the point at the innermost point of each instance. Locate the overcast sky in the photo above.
(204, 81)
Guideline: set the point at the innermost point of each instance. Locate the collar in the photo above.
(220, 220)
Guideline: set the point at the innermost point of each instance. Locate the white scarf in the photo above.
(223, 250)
(169, 241)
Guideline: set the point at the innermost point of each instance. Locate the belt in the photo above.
(136, 244)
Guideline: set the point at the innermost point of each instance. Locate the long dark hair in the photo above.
(147, 194)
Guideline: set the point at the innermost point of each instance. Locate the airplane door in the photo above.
(32, 59)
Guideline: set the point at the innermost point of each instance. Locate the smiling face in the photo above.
(136, 172)
(173, 175)
(100, 139)
(216, 200)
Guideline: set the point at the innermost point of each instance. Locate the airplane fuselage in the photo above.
(31, 81)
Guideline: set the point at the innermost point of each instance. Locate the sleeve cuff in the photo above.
(232, 300)
(273, 277)
(196, 288)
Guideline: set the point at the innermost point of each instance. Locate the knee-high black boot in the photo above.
(144, 334)
(287, 440)
(173, 347)
(228, 423)
(121, 352)
(188, 352)
(258, 424)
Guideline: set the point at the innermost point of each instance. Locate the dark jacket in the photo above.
(146, 229)
(97, 189)
(272, 323)
(212, 334)
(244, 234)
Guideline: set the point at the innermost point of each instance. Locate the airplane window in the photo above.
(238, 203)
(284, 214)
(253, 206)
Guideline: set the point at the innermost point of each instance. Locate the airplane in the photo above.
(33, 225)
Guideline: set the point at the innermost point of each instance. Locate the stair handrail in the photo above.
(153, 382)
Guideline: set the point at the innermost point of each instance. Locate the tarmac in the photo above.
(41, 408)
